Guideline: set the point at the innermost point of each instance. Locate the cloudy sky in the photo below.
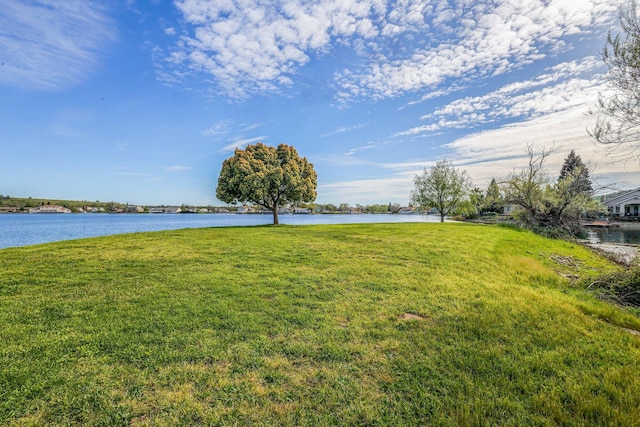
(140, 101)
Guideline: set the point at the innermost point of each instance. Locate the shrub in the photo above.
(621, 287)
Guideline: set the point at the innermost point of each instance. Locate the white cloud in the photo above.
(219, 129)
(367, 147)
(242, 142)
(343, 129)
(561, 87)
(495, 38)
(51, 45)
(257, 46)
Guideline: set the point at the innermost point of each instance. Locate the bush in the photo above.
(621, 287)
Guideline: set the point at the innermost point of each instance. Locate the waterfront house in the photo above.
(625, 204)
(244, 209)
(135, 209)
(50, 209)
(9, 209)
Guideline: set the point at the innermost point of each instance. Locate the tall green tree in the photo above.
(267, 176)
(493, 200)
(618, 108)
(442, 187)
(574, 168)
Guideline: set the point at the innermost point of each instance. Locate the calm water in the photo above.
(30, 229)
(618, 235)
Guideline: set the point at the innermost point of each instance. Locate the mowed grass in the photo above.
(373, 324)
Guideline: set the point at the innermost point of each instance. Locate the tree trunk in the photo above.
(275, 215)
(441, 217)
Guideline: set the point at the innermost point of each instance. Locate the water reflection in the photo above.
(618, 235)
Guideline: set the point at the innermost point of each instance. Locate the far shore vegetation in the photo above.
(22, 204)
(368, 324)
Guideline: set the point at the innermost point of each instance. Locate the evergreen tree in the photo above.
(575, 168)
(493, 200)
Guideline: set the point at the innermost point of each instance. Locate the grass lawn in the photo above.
(368, 324)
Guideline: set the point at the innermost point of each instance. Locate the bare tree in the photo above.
(618, 108)
(525, 188)
(552, 208)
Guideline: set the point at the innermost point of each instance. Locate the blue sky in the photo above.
(141, 101)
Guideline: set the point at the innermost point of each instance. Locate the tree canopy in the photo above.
(442, 187)
(618, 109)
(267, 176)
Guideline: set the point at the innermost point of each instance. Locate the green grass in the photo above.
(379, 324)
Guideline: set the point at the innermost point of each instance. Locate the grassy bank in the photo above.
(378, 324)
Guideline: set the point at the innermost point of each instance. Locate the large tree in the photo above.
(442, 187)
(618, 121)
(267, 176)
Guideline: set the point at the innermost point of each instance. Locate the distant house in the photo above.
(510, 209)
(407, 210)
(156, 210)
(93, 209)
(625, 204)
(244, 209)
(172, 210)
(10, 209)
(135, 209)
(50, 209)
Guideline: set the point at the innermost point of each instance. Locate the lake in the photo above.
(31, 229)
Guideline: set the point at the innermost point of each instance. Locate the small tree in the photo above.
(525, 188)
(442, 187)
(267, 176)
(493, 200)
(472, 205)
(618, 112)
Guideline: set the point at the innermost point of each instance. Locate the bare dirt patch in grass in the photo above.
(412, 316)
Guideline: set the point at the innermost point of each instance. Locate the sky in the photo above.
(140, 101)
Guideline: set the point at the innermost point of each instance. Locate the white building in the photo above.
(50, 209)
(625, 204)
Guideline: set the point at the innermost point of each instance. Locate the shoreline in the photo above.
(622, 253)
